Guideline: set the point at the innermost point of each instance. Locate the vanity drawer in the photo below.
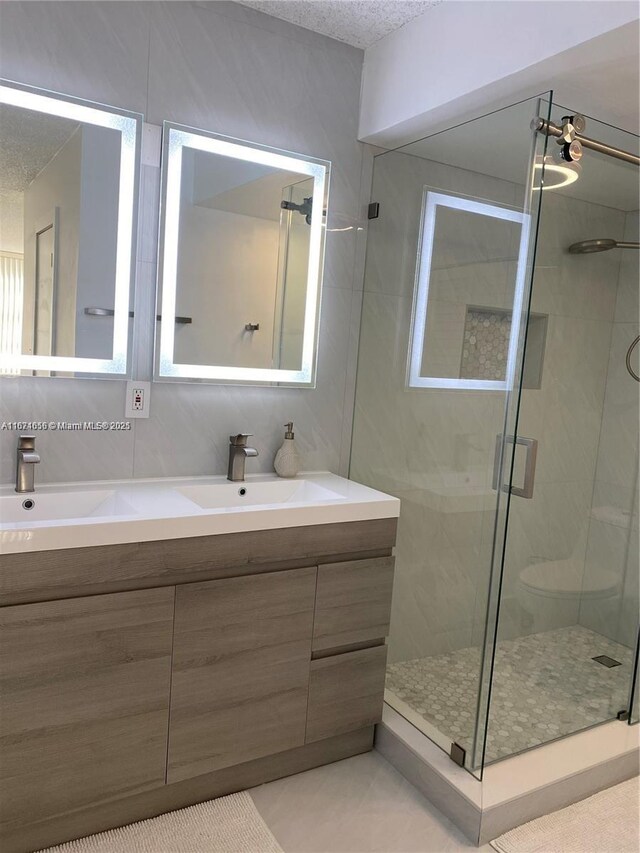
(353, 602)
(346, 692)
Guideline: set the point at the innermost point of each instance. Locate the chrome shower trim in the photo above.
(628, 359)
(541, 125)
(587, 247)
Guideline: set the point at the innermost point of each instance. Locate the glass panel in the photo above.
(290, 288)
(569, 588)
(44, 327)
(448, 260)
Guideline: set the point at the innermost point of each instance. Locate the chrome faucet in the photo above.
(238, 452)
(27, 458)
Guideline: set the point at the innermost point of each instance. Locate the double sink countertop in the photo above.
(109, 512)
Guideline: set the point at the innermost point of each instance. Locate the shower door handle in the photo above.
(526, 491)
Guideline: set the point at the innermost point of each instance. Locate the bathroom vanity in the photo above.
(143, 676)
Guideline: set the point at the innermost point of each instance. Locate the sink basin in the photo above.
(57, 506)
(110, 512)
(253, 494)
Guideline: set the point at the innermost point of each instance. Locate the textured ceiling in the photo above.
(360, 23)
(28, 141)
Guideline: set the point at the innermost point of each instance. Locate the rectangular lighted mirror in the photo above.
(240, 271)
(470, 278)
(68, 201)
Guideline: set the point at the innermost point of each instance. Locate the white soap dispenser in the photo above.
(287, 461)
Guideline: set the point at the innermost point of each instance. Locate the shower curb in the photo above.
(518, 789)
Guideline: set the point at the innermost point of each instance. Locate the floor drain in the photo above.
(605, 660)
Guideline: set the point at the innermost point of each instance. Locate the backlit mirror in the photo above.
(242, 238)
(68, 196)
(470, 277)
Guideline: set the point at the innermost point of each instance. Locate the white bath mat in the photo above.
(227, 825)
(607, 822)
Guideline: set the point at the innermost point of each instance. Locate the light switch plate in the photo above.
(138, 399)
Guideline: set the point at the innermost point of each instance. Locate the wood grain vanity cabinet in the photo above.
(353, 602)
(240, 675)
(84, 701)
(230, 663)
(345, 692)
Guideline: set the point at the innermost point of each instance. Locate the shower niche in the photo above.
(485, 345)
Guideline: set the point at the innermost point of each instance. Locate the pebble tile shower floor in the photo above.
(545, 686)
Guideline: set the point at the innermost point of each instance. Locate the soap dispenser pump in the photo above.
(287, 461)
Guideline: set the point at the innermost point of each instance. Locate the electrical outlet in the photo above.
(138, 399)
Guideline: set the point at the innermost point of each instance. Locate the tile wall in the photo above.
(225, 68)
(578, 293)
(433, 448)
(612, 542)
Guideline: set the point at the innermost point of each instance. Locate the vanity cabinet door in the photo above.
(240, 676)
(84, 696)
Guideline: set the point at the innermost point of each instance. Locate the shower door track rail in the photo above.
(542, 125)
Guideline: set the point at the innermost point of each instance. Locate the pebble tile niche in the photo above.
(485, 345)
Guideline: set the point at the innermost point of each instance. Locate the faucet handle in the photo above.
(240, 440)
(27, 442)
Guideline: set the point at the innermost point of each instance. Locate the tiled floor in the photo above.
(545, 686)
(360, 805)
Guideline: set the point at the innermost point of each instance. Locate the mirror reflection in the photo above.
(63, 222)
(242, 262)
(247, 265)
(470, 271)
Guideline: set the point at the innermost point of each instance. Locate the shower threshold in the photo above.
(517, 789)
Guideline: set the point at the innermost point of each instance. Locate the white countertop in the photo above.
(111, 512)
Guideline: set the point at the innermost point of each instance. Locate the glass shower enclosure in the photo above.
(495, 396)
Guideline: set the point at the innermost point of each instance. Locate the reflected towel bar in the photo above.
(108, 312)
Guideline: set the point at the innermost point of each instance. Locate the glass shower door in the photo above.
(448, 269)
(566, 585)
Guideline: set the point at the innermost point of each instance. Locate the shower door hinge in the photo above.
(457, 754)
(373, 211)
(623, 716)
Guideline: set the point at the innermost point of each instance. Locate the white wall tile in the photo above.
(233, 71)
(627, 307)
(97, 51)
(612, 548)
(68, 455)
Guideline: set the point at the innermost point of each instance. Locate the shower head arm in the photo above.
(588, 247)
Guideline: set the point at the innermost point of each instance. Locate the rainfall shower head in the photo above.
(586, 247)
